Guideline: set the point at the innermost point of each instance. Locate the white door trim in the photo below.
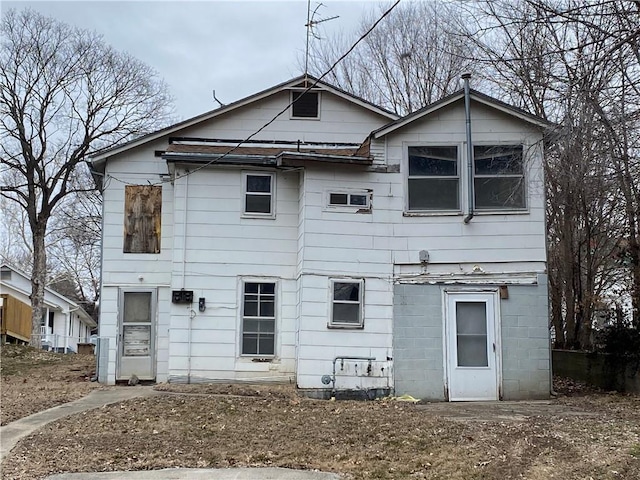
(494, 293)
(153, 334)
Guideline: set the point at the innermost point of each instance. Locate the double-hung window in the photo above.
(258, 318)
(434, 178)
(258, 194)
(499, 182)
(346, 303)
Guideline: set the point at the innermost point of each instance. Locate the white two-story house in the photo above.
(309, 236)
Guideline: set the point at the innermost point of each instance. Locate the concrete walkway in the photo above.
(15, 431)
(12, 433)
(203, 474)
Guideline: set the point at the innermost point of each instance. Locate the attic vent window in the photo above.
(5, 274)
(305, 104)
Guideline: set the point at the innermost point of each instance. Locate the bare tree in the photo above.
(410, 60)
(576, 62)
(63, 93)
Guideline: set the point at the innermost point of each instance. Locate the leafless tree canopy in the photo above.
(63, 93)
(411, 59)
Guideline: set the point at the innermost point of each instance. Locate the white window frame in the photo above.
(276, 302)
(348, 207)
(295, 117)
(460, 177)
(522, 176)
(272, 194)
(360, 303)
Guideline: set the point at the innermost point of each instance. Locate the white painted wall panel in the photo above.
(340, 121)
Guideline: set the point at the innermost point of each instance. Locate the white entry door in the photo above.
(136, 351)
(472, 353)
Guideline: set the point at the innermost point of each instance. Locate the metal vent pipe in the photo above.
(467, 112)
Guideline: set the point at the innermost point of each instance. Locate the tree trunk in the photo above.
(38, 280)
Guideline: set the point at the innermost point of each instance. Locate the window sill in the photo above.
(292, 117)
(263, 216)
(345, 326)
(345, 209)
(432, 214)
(257, 358)
(501, 212)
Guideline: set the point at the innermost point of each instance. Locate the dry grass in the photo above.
(33, 380)
(243, 425)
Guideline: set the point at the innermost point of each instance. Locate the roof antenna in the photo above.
(312, 22)
(216, 99)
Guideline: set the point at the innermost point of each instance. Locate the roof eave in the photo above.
(454, 97)
(100, 156)
(298, 158)
(219, 159)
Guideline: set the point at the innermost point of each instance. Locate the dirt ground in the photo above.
(581, 435)
(33, 380)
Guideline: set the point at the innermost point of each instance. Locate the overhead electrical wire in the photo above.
(276, 116)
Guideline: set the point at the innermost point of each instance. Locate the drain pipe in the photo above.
(467, 112)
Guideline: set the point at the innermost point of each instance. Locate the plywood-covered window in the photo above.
(142, 218)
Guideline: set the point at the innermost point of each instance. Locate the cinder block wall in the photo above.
(418, 344)
(525, 342)
(417, 341)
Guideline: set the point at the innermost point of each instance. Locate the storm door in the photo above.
(136, 349)
(472, 354)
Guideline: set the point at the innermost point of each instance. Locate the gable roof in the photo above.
(86, 318)
(454, 97)
(301, 81)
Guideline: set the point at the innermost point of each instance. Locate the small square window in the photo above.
(258, 194)
(346, 303)
(305, 104)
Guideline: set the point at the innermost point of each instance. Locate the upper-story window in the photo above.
(434, 178)
(305, 104)
(499, 182)
(258, 194)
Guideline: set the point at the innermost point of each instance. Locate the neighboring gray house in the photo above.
(339, 248)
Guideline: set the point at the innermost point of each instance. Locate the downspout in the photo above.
(184, 272)
(467, 112)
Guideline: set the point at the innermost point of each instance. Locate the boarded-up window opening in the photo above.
(142, 217)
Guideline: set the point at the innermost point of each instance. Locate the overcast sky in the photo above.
(235, 47)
